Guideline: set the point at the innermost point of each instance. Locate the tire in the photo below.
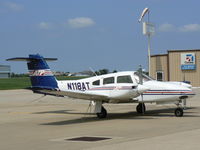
(102, 114)
(141, 108)
(178, 112)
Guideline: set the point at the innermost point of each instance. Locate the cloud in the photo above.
(190, 28)
(13, 6)
(166, 27)
(80, 22)
(45, 25)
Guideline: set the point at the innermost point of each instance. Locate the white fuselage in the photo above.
(123, 87)
(165, 91)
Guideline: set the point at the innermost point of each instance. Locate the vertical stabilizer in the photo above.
(40, 73)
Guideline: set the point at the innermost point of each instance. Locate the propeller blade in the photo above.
(142, 88)
(140, 75)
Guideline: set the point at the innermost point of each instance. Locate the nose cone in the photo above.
(185, 90)
(187, 85)
(141, 88)
(190, 93)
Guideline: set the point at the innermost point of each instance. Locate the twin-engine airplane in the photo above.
(121, 87)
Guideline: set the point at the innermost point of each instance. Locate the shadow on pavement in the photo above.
(91, 117)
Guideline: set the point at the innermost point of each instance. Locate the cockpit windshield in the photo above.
(144, 76)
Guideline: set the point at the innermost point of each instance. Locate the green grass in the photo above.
(24, 82)
(14, 83)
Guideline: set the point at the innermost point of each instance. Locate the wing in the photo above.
(78, 94)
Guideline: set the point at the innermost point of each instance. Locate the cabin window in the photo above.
(109, 80)
(124, 79)
(97, 82)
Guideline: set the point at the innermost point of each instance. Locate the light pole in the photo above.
(148, 30)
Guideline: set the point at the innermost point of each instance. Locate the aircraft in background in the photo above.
(120, 87)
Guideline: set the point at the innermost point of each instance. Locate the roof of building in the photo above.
(183, 50)
(171, 51)
(159, 55)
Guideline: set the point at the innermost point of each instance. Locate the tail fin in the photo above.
(40, 73)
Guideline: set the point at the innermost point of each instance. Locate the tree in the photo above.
(102, 71)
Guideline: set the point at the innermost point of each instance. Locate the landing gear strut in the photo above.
(103, 113)
(141, 108)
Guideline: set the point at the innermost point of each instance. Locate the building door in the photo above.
(159, 76)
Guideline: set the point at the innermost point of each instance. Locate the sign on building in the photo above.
(188, 61)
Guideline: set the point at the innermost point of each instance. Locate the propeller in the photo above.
(141, 88)
(144, 89)
(140, 75)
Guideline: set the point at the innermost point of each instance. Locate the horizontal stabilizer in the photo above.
(29, 59)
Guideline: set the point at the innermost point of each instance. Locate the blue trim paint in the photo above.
(44, 81)
(170, 94)
(168, 90)
(37, 62)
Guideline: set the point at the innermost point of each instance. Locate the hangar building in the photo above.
(4, 71)
(177, 65)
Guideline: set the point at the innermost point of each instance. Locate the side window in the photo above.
(97, 82)
(124, 79)
(109, 80)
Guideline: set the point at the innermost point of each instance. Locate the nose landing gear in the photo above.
(178, 112)
(181, 105)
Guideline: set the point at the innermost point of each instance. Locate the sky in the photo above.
(95, 34)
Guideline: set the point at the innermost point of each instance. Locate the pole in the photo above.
(148, 30)
(149, 46)
(149, 54)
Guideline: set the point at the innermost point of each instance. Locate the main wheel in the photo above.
(141, 108)
(178, 112)
(103, 113)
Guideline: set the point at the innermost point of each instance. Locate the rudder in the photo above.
(39, 71)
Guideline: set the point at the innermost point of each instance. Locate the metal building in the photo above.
(4, 71)
(177, 65)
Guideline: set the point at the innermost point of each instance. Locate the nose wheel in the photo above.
(178, 112)
(103, 113)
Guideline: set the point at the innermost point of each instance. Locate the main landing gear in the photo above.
(103, 113)
(141, 108)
